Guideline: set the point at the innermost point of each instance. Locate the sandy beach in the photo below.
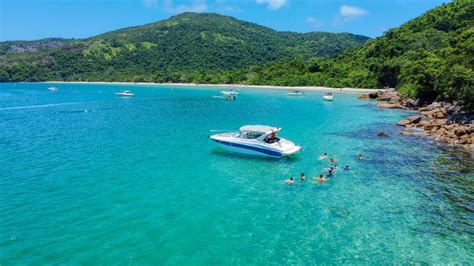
(230, 86)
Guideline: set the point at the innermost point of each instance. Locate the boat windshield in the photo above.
(250, 135)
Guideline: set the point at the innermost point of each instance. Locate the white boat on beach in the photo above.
(256, 140)
(125, 93)
(328, 96)
(296, 93)
(53, 89)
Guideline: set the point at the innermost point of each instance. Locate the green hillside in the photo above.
(176, 49)
(430, 57)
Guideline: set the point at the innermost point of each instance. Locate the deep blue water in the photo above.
(90, 178)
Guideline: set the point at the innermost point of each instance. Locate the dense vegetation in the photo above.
(176, 49)
(430, 57)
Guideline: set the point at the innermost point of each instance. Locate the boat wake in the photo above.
(39, 106)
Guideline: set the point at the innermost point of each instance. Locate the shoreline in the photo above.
(445, 122)
(235, 86)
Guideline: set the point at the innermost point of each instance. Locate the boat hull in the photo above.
(243, 148)
(328, 98)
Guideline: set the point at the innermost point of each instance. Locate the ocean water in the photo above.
(90, 178)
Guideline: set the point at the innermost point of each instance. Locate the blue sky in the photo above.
(35, 19)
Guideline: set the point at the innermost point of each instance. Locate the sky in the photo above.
(36, 19)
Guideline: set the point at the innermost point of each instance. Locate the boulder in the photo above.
(409, 120)
(363, 97)
(387, 96)
(449, 127)
(439, 115)
(395, 99)
(389, 105)
(430, 107)
(410, 103)
(465, 139)
(460, 131)
(428, 127)
(441, 122)
(373, 95)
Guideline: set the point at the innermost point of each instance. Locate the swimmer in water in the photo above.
(289, 181)
(333, 160)
(360, 157)
(346, 167)
(302, 177)
(321, 178)
(324, 156)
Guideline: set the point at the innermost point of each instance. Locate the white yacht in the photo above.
(125, 93)
(53, 89)
(296, 93)
(328, 96)
(226, 95)
(256, 140)
(230, 92)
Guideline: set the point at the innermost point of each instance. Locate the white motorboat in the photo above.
(230, 92)
(296, 93)
(226, 95)
(53, 89)
(328, 96)
(125, 93)
(256, 140)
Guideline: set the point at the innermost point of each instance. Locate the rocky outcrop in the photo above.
(446, 122)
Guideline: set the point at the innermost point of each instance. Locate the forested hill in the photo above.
(430, 57)
(175, 49)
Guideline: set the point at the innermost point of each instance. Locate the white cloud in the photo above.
(350, 12)
(314, 22)
(273, 4)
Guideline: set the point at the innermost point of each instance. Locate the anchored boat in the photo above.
(296, 93)
(256, 140)
(328, 96)
(230, 92)
(125, 93)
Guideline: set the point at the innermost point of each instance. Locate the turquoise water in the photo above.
(90, 178)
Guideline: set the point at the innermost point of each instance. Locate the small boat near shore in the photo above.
(230, 92)
(125, 93)
(226, 95)
(296, 93)
(328, 96)
(53, 88)
(256, 140)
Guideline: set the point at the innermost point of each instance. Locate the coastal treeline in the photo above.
(177, 49)
(429, 57)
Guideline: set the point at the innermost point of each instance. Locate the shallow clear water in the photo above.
(90, 178)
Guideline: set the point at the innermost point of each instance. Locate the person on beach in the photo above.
(321, 178)
(346, 167)
(302, 177)
(324, 156)
(289, 181)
